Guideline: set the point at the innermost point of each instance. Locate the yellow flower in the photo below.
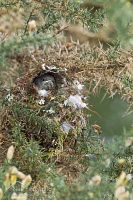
(123, 179)
(13, 179)
(14, 196)
(96, 180)
(20, 175)
(26, 182)
(13, 170)
(1, 193)
(121, 193)
(121, 161)
(22, 196)
(124, 196)
(10, 153)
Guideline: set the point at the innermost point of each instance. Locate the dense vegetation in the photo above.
(79, 164)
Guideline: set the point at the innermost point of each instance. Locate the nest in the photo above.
(45, 122)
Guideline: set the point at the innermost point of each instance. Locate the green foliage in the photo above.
(128, 82)
(120, 16)
(38, 139)
(36, 126)
(52, 13)
(71, 12)
(80, 188)
(14, 46)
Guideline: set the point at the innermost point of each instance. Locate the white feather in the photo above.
(43, 93)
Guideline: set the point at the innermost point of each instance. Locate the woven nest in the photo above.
(44, 123)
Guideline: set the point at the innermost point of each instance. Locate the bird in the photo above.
(45, 82)
(48, 81)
